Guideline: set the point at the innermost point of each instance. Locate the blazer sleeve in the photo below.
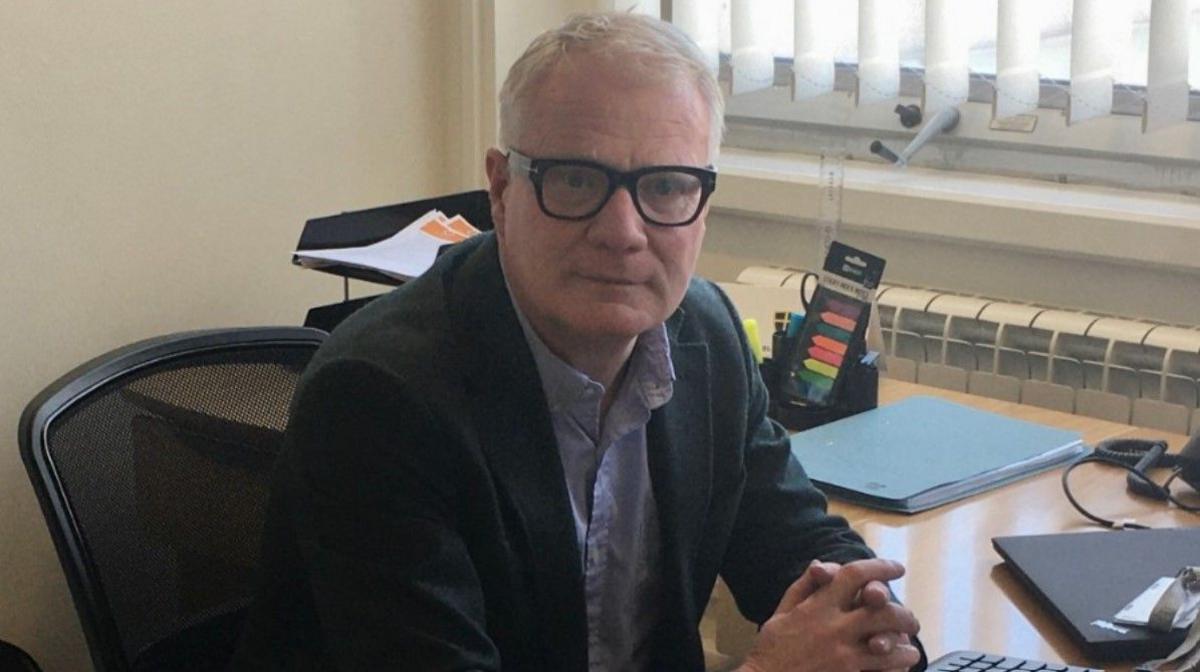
(782, 522)
(375, 517)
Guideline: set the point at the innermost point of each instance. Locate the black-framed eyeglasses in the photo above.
(575, 189)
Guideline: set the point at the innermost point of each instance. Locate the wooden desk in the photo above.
(956, 584)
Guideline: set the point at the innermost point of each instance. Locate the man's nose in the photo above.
(619, 224)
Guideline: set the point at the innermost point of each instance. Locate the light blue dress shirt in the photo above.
(608, 480)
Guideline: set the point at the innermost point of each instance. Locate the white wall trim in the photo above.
(1063, 220)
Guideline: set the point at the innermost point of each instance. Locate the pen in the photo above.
(795, 324)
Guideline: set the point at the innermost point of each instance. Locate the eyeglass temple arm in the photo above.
(519, 161)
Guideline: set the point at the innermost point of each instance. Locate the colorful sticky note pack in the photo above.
(824, 355)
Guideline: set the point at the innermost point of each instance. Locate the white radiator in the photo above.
(1119, 369)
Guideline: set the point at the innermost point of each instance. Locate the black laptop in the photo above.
(1084, 578)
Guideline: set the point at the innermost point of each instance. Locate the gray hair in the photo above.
(653, 50)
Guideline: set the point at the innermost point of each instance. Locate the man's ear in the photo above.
(496, 166)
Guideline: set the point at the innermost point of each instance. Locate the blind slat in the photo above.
(946, 76)
(878, 52)
(753, 63)
(1167, 88)
(1099, 33)
(1018, 37)
(701, 21)
(812, 68)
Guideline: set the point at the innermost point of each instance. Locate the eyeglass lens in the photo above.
(668, 197)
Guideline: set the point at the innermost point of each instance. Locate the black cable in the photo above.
(1117, 462)
(1129, 451)
(1079, 507)
(803, 283)
(1175, 473)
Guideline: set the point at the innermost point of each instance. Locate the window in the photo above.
(791, 63)
(977, 19)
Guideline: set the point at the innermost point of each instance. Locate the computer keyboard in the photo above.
(976, 661)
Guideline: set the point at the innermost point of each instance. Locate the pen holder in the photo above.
(859, 392)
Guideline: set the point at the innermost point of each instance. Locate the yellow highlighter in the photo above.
(751, 326)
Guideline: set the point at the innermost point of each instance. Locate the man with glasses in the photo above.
(541, 454)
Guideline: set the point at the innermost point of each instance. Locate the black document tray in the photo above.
(363, 227)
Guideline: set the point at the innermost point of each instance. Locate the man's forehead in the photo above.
(591, 67)
(603, 107)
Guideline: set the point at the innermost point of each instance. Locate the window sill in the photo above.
(1079, 221)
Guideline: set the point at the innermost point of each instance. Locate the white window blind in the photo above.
(878, 52)
(1100, 30)
(947, 81)
(813, 66)
(1167, 88)
(752, 59)
(1018, 37)
(1147, 48)
(701, 20)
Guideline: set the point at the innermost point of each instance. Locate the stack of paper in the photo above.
(923, 452)
(405, 255)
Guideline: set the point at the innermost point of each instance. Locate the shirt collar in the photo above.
(651, 373)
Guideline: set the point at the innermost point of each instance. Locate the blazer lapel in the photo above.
(679, 441)
(509, 409)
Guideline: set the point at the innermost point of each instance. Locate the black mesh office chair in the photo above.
(14, 659)
(152, 466)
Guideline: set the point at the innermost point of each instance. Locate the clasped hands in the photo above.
(838, 618)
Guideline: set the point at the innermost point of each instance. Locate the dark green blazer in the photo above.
(420, 520)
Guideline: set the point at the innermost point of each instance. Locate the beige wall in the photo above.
(492, 34)
(157, 161)
(519, 21)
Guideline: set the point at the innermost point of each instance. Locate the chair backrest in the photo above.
(14, 659)
(152, 465)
